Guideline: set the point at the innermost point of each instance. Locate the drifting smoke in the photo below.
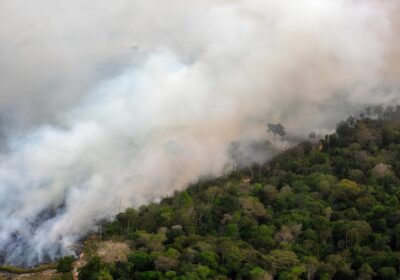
(130, 100)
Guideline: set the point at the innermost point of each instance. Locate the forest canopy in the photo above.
(321, 210)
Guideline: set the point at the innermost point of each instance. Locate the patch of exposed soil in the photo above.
(44, 275)
(111, 251)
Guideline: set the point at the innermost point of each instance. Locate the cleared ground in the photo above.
(111, 251)
(44, 275)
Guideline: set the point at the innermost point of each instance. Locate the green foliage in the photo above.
(257, 273)
(282, 260)
(149, 275)
(389, 273)
(327, 210)
(65, 264)
(95, 269)
(208, 258)
(141, 261)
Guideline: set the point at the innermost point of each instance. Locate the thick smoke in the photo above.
(117, 103)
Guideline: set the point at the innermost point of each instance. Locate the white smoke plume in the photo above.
(111, 101)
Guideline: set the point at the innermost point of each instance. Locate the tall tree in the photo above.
(276, 129)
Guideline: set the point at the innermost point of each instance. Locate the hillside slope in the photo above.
(326, 210)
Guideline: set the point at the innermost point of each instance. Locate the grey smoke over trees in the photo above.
(132, 100)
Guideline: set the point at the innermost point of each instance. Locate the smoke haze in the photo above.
(127, 101)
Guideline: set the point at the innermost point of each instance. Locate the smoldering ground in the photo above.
(127, 101)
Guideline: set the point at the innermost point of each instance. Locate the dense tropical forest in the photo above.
(325, 209)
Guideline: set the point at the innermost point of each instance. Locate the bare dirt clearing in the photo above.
(111, 251)
(44, 275)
